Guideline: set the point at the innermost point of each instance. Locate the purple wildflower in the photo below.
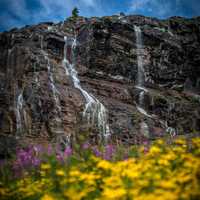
(86, 146)
(59, 157)
(36, 162)
(38, 149)
(68, 152)
(96, 152)
(109, 151)
(49, 150)
(145, 142)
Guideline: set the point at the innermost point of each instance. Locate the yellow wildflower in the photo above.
(166, 172)
(167, 184)
(154, 150)
(47, 197)
(160, 142)
(196, 142)
(60, 172)
(103, 164)
(89, 178)
(117, 193)
(73, 194)
(131, 172)
(178, 149)
(113, 181)
(75, 173)
(163, 162)
(45, 166)
(180, 141)
(170, 156)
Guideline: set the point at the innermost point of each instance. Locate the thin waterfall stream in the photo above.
(62, 138)
(51, 80)
(95, 113)
(141, 80)
(19, 101)
(19, 110)
(140, 73)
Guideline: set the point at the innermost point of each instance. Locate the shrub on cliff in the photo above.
(75, 13)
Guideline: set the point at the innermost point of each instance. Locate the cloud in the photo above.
(161, 8)
(138, 4)
(16, 13)
(91, 3)
(165, 8)
(12, 12)
(55, 8)
(22, 12)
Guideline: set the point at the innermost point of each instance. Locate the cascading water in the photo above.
(36, 74)
(19, 110)
(19, 101)
(51, 80)
(52, 84)
(65, 61)
(94, 111)
(140, 73)
(62, 139)
(141, 81)
(139, 45)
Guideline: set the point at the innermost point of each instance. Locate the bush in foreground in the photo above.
(157, 171)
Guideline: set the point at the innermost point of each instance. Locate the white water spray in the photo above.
(19, 110)
(51, 79)
(19, 99)
(140, 73)
(140, 52)
(94, 111)
(52, 84)
(36, 74)
(141, 80)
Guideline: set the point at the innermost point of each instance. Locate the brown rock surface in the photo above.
(106, 61)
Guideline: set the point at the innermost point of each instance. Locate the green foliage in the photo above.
(165, 171)
(75, 12)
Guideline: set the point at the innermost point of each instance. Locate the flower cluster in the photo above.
(164, 171)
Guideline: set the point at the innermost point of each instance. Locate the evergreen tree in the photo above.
(75, 12)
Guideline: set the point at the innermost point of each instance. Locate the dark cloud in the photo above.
(17, 13)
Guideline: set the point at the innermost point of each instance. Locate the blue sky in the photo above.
(17, 13)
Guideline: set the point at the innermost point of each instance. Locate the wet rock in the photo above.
(106, 61)
(8, 145)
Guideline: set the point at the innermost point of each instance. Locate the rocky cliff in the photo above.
(83, 76)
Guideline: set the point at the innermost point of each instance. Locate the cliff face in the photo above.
(41, 98)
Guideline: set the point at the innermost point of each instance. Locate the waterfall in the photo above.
(19, 101)
(65, 61)
(36, 74)
(144, 129)
(51, 79)
(61, 138)
(139, 45)
(52, 84)
(141, 98)
(141, 80)
(94, 112)
(140, 73)
(19, 110)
